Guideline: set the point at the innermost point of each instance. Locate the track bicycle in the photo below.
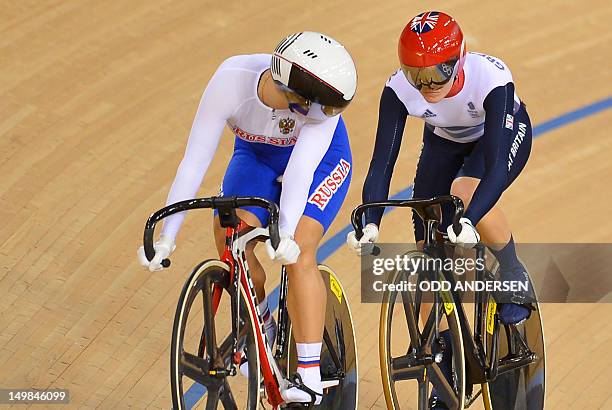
(208, 346)
(509, 369)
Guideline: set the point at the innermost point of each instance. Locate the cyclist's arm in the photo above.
(497, 140)
(391, 121)
(312, 144)
(215, 108)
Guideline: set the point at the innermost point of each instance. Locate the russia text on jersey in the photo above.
(280, 142)
(330, 185)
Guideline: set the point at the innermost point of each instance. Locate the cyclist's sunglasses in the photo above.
(433, 77)
(301, 105)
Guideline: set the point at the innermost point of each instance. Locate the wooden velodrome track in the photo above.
(97, 100)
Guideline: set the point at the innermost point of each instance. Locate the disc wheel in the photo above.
(202, 344)
(525, 387)
(405, 344)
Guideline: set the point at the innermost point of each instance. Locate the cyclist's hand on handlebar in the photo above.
(467, 238)
(287, 252)
(163, 248)
(370, 235)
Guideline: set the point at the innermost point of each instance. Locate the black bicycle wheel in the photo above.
(408, 368)
(339, 367)
(199, 347)
(522, 388)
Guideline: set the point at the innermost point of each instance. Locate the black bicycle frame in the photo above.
(478, 370)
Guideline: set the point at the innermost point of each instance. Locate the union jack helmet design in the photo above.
(424, 22)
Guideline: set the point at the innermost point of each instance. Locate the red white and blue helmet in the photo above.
(318, 69)
(431, 49)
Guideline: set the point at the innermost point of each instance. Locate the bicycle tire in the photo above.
(205, 275)
(385, 330)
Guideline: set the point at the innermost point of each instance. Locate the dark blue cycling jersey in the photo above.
(496, 158)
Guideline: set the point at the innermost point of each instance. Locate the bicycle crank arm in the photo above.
(330, 383)
(510, 364)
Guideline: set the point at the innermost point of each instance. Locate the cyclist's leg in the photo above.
(494, 227)
(306, 302)
(307, 297)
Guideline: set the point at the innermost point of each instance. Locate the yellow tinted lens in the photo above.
(331, 111)
(432, 77)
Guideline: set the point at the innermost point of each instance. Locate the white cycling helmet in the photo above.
(317, 68)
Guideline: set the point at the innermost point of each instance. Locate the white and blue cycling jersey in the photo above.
(312, 156)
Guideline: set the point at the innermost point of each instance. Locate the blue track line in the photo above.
(331, 245)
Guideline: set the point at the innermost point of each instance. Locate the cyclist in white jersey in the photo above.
(476, 141)
(291, 147)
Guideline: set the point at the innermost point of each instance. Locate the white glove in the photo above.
(163, 248)
(287, 252)
(467, 238)
(362, 246)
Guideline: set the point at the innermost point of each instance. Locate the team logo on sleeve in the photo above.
(424, 22)
(286, 125)
(330, 185)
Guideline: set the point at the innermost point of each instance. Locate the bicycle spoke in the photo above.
(212, 398)
(428, 329)
(196, 369)
(424, 393)
(209, 321)
(202, 344)
(227, 398)
(413, 330)
(445, 391)
(213, 294)
(417, 302)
